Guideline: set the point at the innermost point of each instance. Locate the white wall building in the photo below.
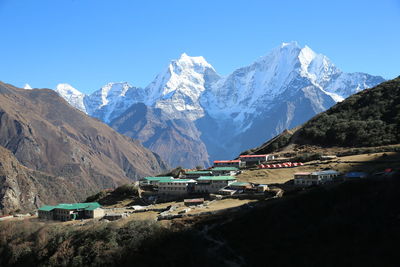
(255, 159)
(314, 178)
(176, 186)
(229, 163)
(212, 184)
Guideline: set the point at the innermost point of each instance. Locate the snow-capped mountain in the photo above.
(72, 96)
(178, 89)
(278, 91)
(112, 100)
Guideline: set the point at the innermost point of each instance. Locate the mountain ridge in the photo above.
(49, 138)
(278, 91)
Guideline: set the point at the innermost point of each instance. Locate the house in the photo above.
(314, 178)
(154, 181)
(68, 212)
(212, 184)
(262, 188)
(255, 159)
(229, 163)
(197, 174)
(176, 186)
(355, 175)
(46, 212)
(240, 185)
(230, 171)
(226, 192)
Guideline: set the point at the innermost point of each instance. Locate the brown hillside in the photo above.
(46, 134)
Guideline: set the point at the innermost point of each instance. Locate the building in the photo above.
(197, 174)
(314, 178)
(212, 184)
(229, 163)
(68, 212)
(262, 188)
(226, 192)
(255, 159)
(176, 186)
(154, 181)
(240, 186)
(230, 171)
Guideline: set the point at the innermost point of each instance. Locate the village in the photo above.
(229, 185)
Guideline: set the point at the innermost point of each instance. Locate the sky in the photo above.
(88, 43)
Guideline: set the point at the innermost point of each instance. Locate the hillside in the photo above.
(368, 118)
(350, 224)
(48, 136)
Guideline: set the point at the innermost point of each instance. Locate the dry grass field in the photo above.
(364, 162)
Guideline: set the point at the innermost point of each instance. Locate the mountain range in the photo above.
(51, 152)
(191, 115)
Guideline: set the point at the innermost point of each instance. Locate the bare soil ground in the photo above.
(364, 162)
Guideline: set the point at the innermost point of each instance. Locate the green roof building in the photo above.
(66, 212)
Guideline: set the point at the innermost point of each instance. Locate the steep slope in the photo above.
(368, 118)
(279, 91)
(163, 135)
(46, 134)
(25, 189)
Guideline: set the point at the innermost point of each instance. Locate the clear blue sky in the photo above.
(88, 43)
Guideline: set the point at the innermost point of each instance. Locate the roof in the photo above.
(227, 190)
(198, 172)
(46, 208)
(325, 172)
(216, 178)
(177, 181)
(252, 156)
(226, 161)
(224, 169)
(92, 208)
(239, 184)
(158, 178)
(74, 206)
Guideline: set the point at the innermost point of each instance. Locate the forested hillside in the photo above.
(368, 118)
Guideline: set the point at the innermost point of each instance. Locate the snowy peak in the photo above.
(27, 87)
(71, 95)
(112, 90)
(177, 90)
(67, 89)
(186, 61)
(113, 99)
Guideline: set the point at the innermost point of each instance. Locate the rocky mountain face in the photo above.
(229, 114)
(53, 152)
(159, 132)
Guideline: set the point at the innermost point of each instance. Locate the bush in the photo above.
(126, 190)
(96, 197)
